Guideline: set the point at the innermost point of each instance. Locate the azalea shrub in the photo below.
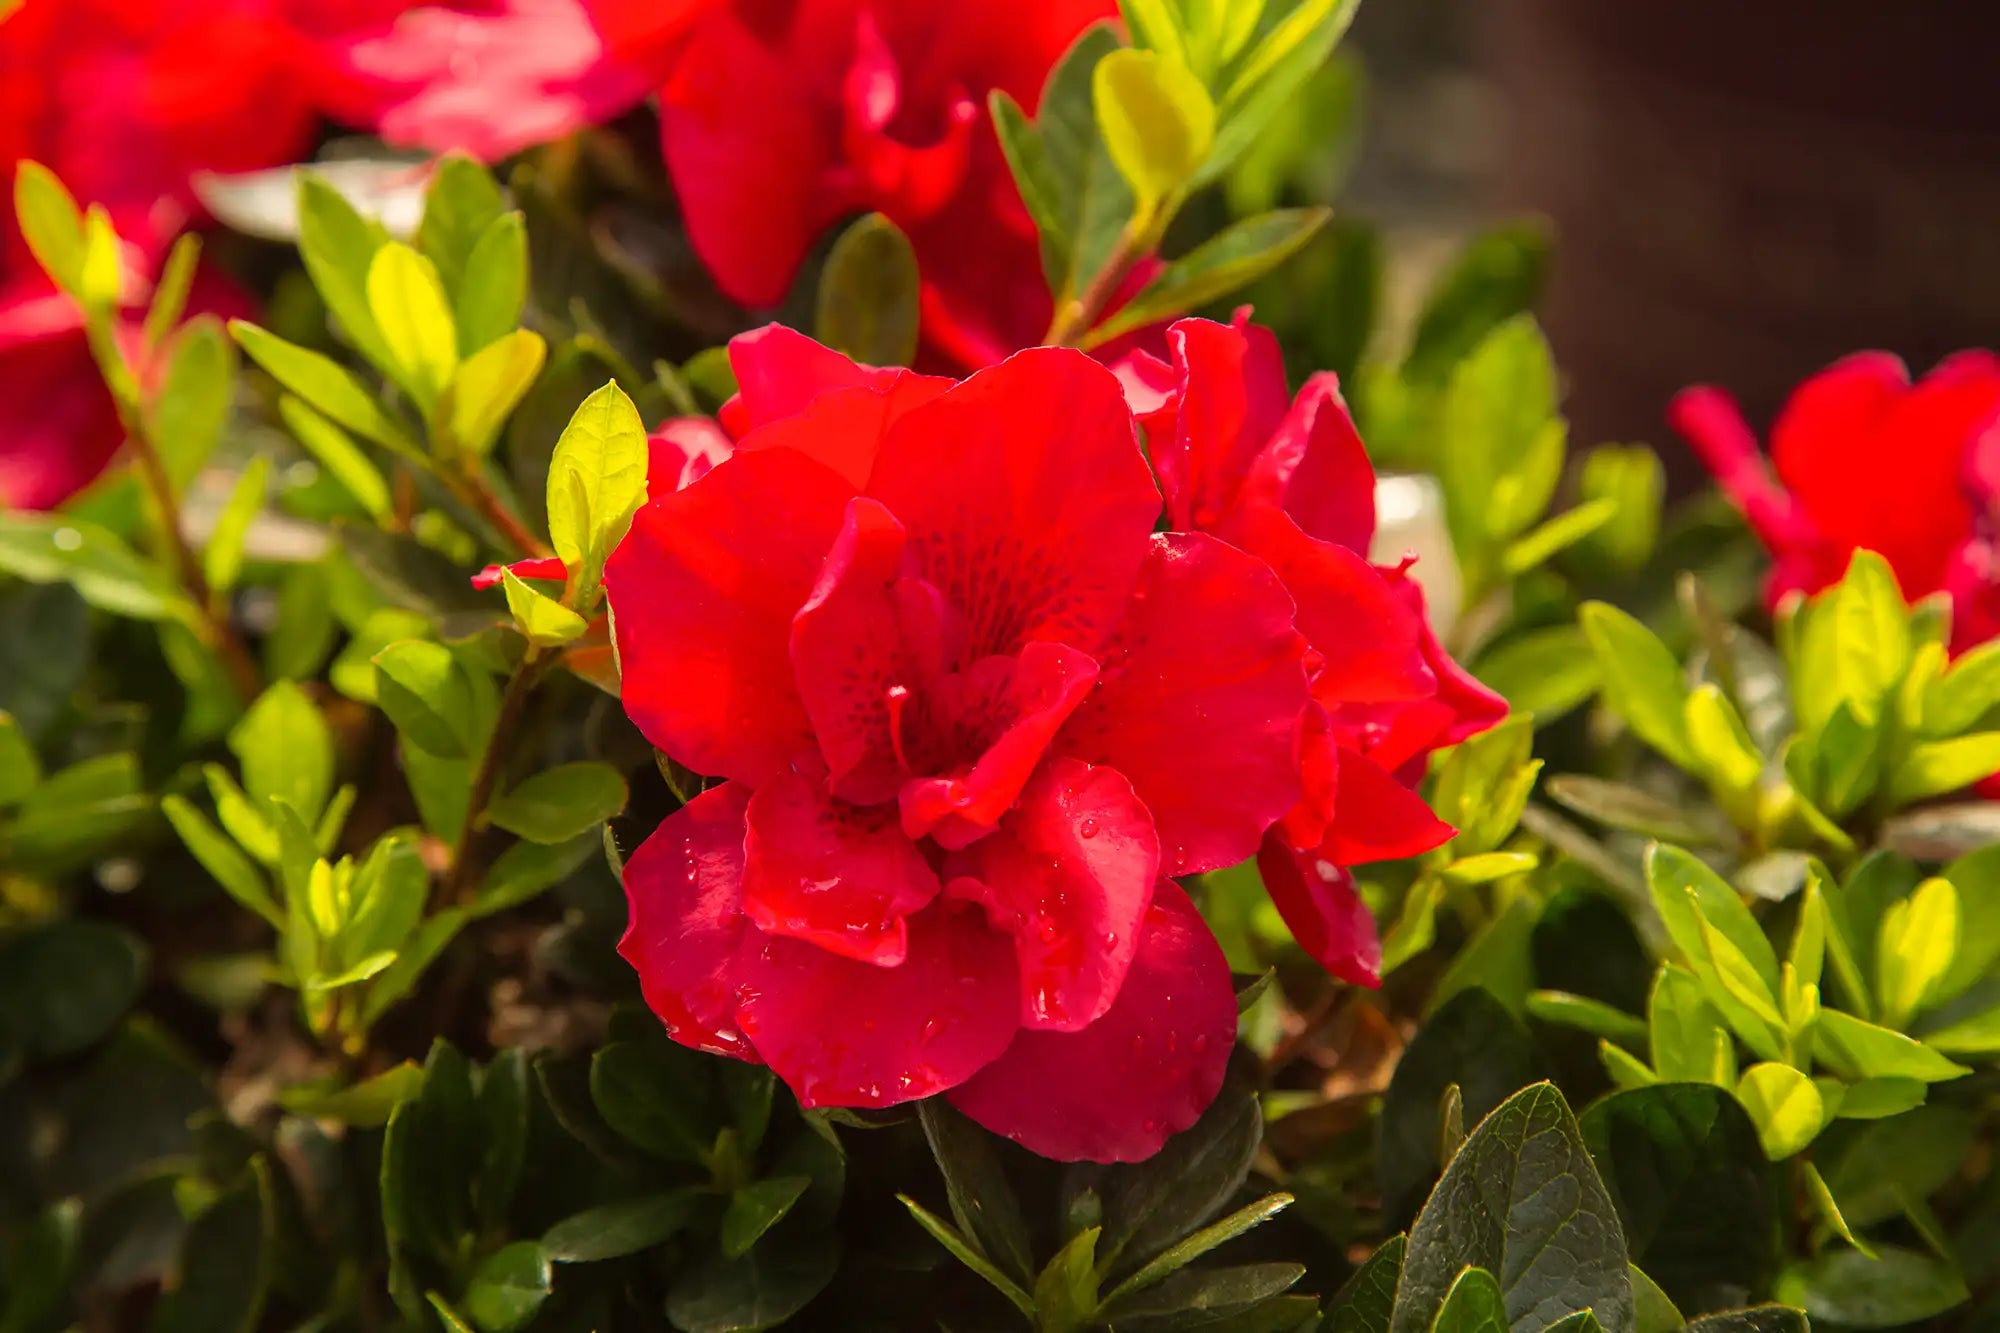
(714, 664)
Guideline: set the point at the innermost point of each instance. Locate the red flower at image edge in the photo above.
(1289, 481)
(125, 100)
(972, 713)
(784, 117)
(1866, 459)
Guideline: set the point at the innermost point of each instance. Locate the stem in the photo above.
(473, 491)
(216, 627)
(458, 885)
(1075, 318)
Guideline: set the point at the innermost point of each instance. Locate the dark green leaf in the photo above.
(40, 1268)
(1911, 1156)
(1844, 1286)
(503, 1121)
(1684, 1167)
(527, 869)
(422, 949)
(508, 1287)
(761, 1290)
(1208, 1291)
(1185, 1252)
(644, 1091)
(755, 1209)
(1756, 1319)
(982, 1202)
(1364, 1304)
(1493, 279)
(224, 1268)
(430, 1155)
(1150, 1205)
(1473, 1305)
(365, 1105)
(868, 294)
(1094, 200)
(614, 1230)
(961, 1249)
(1472, 1042)
(65, 984)
(1521, 1199)
(560, 804)
(1066, 1289)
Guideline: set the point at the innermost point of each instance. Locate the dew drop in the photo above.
(1087, 829)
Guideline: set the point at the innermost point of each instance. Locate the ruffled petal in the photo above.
(836, 875)
(844, 1033)
(780, 370)
(682, 451)
(683, 888)
(703, 590)
(1200, 702)
(1146, 1070)
(544, 567)
(1376, 818)
(1326, 916)
(1026, 498)
(1232, 399)
(843, 429)
(1031, 697)
(1068, 875)
(1317, 469)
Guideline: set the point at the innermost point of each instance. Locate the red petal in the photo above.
(1376, 818)
(703, 590)
(683, 887)
(844, 428)
(1027, 500)
(546, 567)
(1036, 693)
(1232, 397)
(1713, 425)
(682, 451)
(843, 1033)
(780, 370)
(1317, 469)
(1328, 919)
(58, 426)
(833, 874)
(1370, 639)
(1115, 1091)
(1068, 874)
(1200, 702)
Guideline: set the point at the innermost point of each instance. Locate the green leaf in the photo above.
(1066, 1290)
(1699, 910)
(387, 898)
(1150, 1205)
(1495, 958)
(560, 803)
(1592, 1016)
(414, 314)
(430, 1153)
(1863, 1050)
(1896, 1287)
(495, 290)
(1492, 280)
(1655, 1313)
(58, 548)
(1232, 259)
(234, 871)
(1521, 1199)
(542, 619)
(1937, 767)
(488, 386)
(1871, 635)
(1642, 681)
(761, 1290)
(20, 769)
(64, 984)
(401, 976)
(1729, 758)
(342, 459)
(191, 409)
(324, 385)
(462, 202)
(614, 1230)
(1914, 948)
(1473, 1305)
(1095, 200)
(1785, 1105)
(961, 1249)
(1545, 672)
(286, 750)
(1756, 1319)
(222, 558)
(337, 246)
(755, 1208)
(365, 1105)
(527, 869)
(1977, 1037)
(1271, 75)
(1502, 450)
(225, 1267)
(1363, 1304)
(426, 692)
(1034, 174)
(1632, 480)
(1968, 691)
(508, 1287)
(1214, 1292)
(51, 224)
(597, 481)
(868, 294)
(1684, 1166)
(1155, 26)
(1621, 807)
(1186, 1251)
(41, 1267)
(1555, 536)
(1157, 121)
(982, 1202)
(643, 1092)
(1823, 1203)
(1472, 1042)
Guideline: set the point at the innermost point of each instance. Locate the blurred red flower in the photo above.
(1288, 481)
(971, 711)
(784, 116)
(1866, 459)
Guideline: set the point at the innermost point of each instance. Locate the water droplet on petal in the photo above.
(1087, 829)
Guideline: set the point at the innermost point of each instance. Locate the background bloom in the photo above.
(970, 709)
(1288, 481)
(1866, 459)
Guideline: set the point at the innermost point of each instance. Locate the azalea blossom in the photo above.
(784, 117)
(1866, 459)
(970, 712)
(1288, 481)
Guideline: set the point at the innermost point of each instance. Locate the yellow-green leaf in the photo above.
(222, 558)
(489, 385)
(1914, 948)
(1158, 123)
(544, 620)
(597, 481)
(410, 307)
(1785, 1106)
(51, 224)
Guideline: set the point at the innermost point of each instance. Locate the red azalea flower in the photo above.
(1289, 481)
(972, 711)
(785, 116)
(492, 77)
(1867, 459)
